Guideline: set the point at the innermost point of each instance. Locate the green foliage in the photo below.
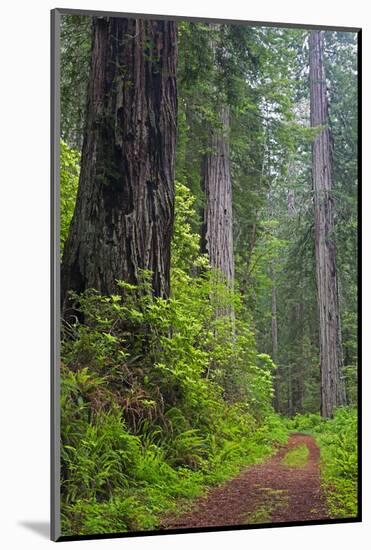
(100, 462)
(85, 517)
(338, 441)
(185, 251)
(69, 180)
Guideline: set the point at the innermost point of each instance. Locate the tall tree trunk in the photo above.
(332, 387)
(125, 204)
(274, 317)
(297, 386)
(289, 390)
(217, 236)
(217, 233)
(274, 332)
(217, 185)
(244, 287)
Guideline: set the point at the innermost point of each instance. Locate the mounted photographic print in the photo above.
(205, 295)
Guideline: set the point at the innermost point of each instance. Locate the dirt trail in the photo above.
(264, 493)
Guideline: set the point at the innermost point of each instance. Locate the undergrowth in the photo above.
(145, 425)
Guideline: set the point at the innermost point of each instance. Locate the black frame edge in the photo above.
(359, 266)
(99, 536)
(55, 529)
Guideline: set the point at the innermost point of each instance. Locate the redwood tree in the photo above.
(332, 388)
(125, 203)
(217, 185)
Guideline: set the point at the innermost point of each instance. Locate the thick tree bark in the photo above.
(125, 204)
(217, 185)
(332, 387)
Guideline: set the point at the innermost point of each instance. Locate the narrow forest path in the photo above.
(285, 488)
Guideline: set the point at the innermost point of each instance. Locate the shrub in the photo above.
(339, 458)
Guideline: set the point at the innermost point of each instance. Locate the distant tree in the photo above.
(216, 181)
(217, 185)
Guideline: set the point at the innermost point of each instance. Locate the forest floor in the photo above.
(284, 488)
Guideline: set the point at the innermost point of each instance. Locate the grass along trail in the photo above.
(285, 488)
